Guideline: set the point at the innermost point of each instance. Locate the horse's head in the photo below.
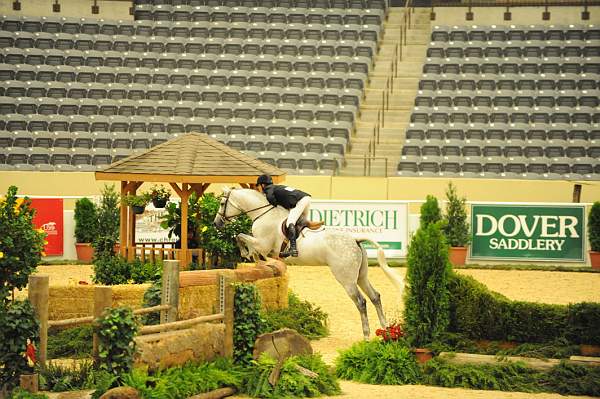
(225, 211)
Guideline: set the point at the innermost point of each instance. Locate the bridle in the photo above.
(242, 212)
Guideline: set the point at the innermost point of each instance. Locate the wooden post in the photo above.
(226, 287)
(123, 222)
(38, 291)
(29, 382)
(131, 227)
(170, 291)
(102, 300)
(577, 193)
(183, 257)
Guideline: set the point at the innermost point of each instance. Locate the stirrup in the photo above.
(289, 253)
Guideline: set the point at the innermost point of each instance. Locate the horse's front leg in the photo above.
(250, 247)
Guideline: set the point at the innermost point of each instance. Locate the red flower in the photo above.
(392, 333)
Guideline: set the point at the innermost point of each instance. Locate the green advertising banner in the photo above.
(537, 232)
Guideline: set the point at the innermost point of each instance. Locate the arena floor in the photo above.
(316, 284)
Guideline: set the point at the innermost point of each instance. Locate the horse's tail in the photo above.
(389, 272)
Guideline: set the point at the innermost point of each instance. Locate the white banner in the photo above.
(385, 222)
(147, 226)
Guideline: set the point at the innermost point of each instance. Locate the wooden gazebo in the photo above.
(189, 163)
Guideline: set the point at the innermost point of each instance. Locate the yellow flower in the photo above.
(1, 254)
(45, 242)
(43, 253)
(40, 230)
(204, 228)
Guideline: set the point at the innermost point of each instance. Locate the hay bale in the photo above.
(273, 292)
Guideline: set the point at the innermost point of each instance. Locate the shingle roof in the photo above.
(191, 158)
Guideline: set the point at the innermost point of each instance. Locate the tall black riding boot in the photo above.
(291, 235)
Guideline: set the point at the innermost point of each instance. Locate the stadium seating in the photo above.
(282, 81)
(507, 102)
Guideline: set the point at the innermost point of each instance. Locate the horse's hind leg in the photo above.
(361, 305)
(367, 288)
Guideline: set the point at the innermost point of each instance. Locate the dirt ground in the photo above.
(317, 285)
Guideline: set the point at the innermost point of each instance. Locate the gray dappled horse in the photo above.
(340, 251)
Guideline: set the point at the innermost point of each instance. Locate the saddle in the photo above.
(300, 226)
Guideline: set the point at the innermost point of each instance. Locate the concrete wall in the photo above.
(115, 9)
(337, 187)
(520, 16)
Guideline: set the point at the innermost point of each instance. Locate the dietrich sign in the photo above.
(385, 222)
(537, 232)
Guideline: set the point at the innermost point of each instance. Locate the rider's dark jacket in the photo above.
(284, 196)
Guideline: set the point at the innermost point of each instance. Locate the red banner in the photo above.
(49, 217)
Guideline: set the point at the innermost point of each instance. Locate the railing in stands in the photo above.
(512, 3)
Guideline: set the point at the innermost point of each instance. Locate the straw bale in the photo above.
(197, 301)
(131, 295)
(70, 301)
(273, 292)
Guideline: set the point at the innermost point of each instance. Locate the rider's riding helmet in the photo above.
(264, 179)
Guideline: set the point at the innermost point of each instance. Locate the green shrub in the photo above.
(143, 272)
(116, 329)
(86, 221)
(480, 313)
(247, 323)
(20, 244)
(72, 342)
(502, 377)
(152, 297)
(302, 316)
(566, 379)
(426, 313)
(108, 220)
(378, 362)
(59, 378)
(185, 381)
(292, 383)
(111, 270)
(456, 226)
(594, 226)
(17, 324)
(430, 211)
(220, 244)
(20, 393)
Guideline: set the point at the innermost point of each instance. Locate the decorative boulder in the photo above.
(121, 393)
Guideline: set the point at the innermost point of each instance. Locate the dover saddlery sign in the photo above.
(537, 232)
(385, 222)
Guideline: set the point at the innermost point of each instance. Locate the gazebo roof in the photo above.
(191, 158)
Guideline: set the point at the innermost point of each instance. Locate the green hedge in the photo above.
(482, 314)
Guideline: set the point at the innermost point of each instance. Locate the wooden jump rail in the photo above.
(39, 293)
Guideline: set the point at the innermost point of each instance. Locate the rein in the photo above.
(242, 212)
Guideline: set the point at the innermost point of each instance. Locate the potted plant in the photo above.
(456, 228)
(594, 234)
(160, 195)
(86, 229)
(137, 202)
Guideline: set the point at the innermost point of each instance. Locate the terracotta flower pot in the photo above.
(595, 259)
(458, 255)
(589, 350)
(85, 252)
(423, 355)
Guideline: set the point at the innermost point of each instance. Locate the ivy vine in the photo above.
(247, 324)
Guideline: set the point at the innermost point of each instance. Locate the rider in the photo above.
(298, 203)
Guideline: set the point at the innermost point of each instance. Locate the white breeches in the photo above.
(301, 209)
